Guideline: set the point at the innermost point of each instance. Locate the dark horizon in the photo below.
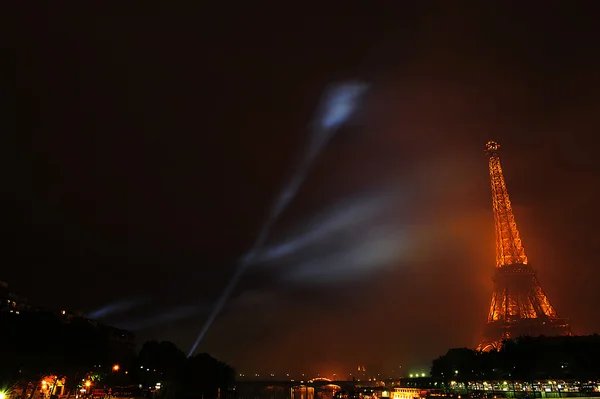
(151, 142)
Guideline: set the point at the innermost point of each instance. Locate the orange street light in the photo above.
(88, 383)
(116, 367)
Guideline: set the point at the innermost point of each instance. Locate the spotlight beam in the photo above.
(338, 105)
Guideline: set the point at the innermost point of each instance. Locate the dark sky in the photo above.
(150, 142)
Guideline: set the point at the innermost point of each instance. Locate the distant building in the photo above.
(118, 340)
(10, 302)
(119, 336)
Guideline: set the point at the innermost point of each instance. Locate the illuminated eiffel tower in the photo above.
(519, 306)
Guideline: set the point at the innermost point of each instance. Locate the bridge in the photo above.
(314, 383)
(308, 389)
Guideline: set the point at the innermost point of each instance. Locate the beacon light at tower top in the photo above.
(492, 147)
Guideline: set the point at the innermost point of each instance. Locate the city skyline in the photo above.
(153, 146)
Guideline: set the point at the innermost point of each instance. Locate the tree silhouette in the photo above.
(35, 345)
(205, 376)
(525, 358)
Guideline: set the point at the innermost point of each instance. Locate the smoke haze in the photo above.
(160, 142)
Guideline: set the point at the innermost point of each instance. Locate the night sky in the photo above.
(148, 144)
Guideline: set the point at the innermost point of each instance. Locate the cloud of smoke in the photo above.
(340, 102)
(343, 216)
(374, 250)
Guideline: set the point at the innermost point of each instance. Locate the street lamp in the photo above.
(116, 367)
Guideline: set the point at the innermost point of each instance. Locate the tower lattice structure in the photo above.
(519, 305)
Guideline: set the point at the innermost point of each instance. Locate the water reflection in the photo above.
(296, 392)
(304, 392)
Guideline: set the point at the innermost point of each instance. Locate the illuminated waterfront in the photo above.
(416, 388)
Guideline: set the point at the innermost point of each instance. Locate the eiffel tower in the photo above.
(519, 305)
